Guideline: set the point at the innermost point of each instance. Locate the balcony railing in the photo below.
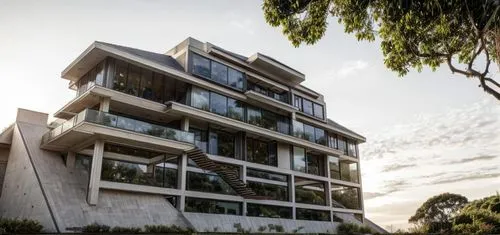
(273, 95)
(124, 123)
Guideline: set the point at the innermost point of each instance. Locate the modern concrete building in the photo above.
(198, 137)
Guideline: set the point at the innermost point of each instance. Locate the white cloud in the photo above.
(351, 68)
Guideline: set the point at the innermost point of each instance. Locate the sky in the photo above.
(427, 133)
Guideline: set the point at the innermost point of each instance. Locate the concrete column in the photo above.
(185, 124)
(244, 208)
(243, 173)
(182, 169)
(291, 195)
(328, 186)
(95, 173)
(104, 104)
(70, 159)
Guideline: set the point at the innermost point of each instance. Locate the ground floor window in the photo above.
(269, 211)
(309, 191)
(346, 197)
(212, 206)
(309, 214)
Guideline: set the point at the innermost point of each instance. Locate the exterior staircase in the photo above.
(229, 175)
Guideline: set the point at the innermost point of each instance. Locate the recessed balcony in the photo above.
(90, 124)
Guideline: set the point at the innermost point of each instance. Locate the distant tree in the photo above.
(413, 34)
(436, 214)
(479, 217)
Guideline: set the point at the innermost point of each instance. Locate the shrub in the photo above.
(128, 230)
(95, 228)
(20, 226)
(262, 228)
(349, 228)
(167, 229)
(279, 228)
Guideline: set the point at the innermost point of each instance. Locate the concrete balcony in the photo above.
(89, 125)
(261, 98)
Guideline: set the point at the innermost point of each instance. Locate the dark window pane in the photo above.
(269, 211)
(351, 149)
(269, 120)
(200, 139)
(297, 102)
(218, 104)
(270, 191)
(83, 162)
(158, 88)
(200, 98)
(307, 106)
(236, 79)
(136, 152)
(99, 80)
(146, 84)
(266, 175)
(314, 163)
(201, 66)
(318, 111)
(298, 129)
(235, 109)
(345, 197)
(134, 80)
(319, 136)
(221, 143)
(309, 214)
(299, 159)
(219, 72)
(334, 167)
(273, 154)
(136, 173)
(254, 116)
(349, 172)
(309, 191)
(212, 206)
(209, 183)
(309, 133)
(342, 144)
(284, 125)
(257, 151)
(120, 78)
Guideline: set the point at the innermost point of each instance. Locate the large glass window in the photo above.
(269, 120)
(212, 206)
(147, 85)
(210, 183)
(221, 143)
(201, 66)
(299, 159)
(134, 80)
(352, 148)
(254, 116)
(307, 106)
(262, 152)
(266, 175)
(270, 191)
(158, 83)
(297, 102)
(138, 173)
(269, 211)
(309, 191)
(309, 133)
(332, 141)
(219, 72)
(315, 163)
(218, 104)
(345, 197)
(200, 98)
(200, 138)
(318, 111)
(310, 214)
(99, 79)
(235, 109)
(121, 73)
(342, 144)
(319, 136)
(236, 78)
(334, 167)
(349, 171)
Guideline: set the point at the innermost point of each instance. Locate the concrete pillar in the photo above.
(104, 104)
(70, 159)
(182, 169)
(185, 124)
(244, 208)
(291, 195)
(328, 185)
(95, 173)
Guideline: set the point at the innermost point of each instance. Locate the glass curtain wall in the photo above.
(346, 197)
(309, 107)
(217, 72)
(211, 206)
(309, 191)
(309, 133)
(308, 161)
(257, 210)
(262, 152)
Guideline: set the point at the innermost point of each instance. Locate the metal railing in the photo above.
(120, 122)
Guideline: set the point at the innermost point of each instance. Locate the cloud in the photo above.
(246, 25)
(351, 67)
(474, 176)
(478, 158)
(395, 167)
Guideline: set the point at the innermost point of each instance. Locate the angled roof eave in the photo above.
(6, 135)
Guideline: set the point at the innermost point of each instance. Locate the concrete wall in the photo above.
(21, 194)
(4, 156)
(284, 158)
(225, 223)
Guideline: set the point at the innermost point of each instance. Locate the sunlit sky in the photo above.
(427, 133)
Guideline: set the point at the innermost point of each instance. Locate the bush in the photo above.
(20, 226)
(167, 229)
(349, 228)
(95, 228)
(128, 230)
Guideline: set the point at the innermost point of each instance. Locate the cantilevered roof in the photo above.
(6, 136)
(100, 50)
(346, 130)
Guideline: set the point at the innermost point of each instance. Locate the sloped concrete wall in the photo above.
(66, 190)
(225, 223)
(21, 193)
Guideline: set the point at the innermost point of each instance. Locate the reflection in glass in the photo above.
(201, 66)
(218, 104)
(266, 175)
(349, 171)
(235, 109)
(134, 80)
(120, 78)
(309, 214)
(200, 98)
(212, 206)
(318, 111)
(137, 173)
(236, 79)
(334, 167)
(299, 159)
(221, 143)
(219, 72)
(307, 106)
(309, 191)
(269, 211)
(345, 197)
(254, 116)
(210, 183)
(269, 191)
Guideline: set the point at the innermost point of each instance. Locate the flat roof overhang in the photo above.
(253, 95)
(287, 74)
(84, 134)
(306, 119)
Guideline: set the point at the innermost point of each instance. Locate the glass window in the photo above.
(309, 191)
(221, 143)
(120, 149)
(349, 172)
(147, 84)
(310, 214)
(200, 138)
(254, 116)
(345, 197)
(266, 175)
(158, 88)
(299, 159)
(257, 151)
(201, 66)
(137, 173)
(351, 149)
(212, 206)
(134, 80)
(270, 191)
(219, 72)
(99, 80)
(235, 109)
(307, 106)
(314, 163)
(297, 102)
(269, 120)
(218, 104)
(284, 125)
(236, 79)
(334, 167)
(120, 78)
(318, 111)
(200, 98)
(269, 211)
(319, 136)
(332, 141)
(309, 133)
(209, 183)
(298, 129)
(342, 144)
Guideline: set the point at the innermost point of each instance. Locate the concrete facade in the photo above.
(46, 178)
